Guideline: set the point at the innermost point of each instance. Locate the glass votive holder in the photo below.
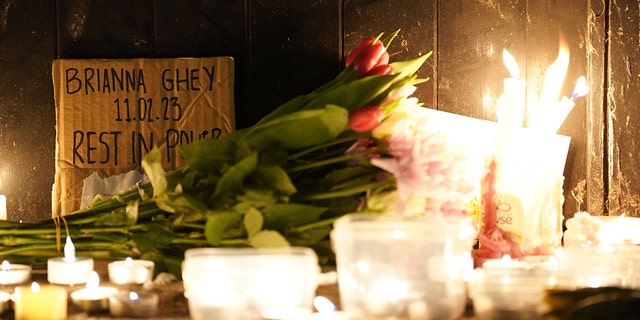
(250, 283)
(600, 266)
(403, 267)
(509, 293)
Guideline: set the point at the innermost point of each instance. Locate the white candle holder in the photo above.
(131, 271)
(133, 304)
(12, 274)
(69, 270)
(93, 297)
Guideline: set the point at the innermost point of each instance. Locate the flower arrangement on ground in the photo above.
(351, 145)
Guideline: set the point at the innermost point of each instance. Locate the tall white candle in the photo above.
(3, 207)
(513, 97)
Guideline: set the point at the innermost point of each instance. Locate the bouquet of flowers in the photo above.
(354, 144)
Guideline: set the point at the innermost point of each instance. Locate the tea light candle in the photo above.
(133, 304)
(93, 297)
(505, 263)
(14, 273)
(131, 271)
(37, 302)
(69, 269)
(5, 299)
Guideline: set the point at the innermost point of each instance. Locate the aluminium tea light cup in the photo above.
(69, 270)
(93, 297)
(130, 271)
(12, 274)
(133, 304)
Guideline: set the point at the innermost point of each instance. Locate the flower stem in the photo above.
(314, 225)
(332, 160)
(344, 192)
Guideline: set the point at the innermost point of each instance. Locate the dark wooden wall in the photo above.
(284, 47)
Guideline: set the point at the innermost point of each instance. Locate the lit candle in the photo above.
(559, 113)
(511, 104)
(69, 269)
(133, 304)
(14, 273)
(93, 297)
(131, 271)
(35, 302)
(3, 207)
(505, 263)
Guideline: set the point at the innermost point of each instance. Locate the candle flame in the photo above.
(133, 296)
(93, 281)
(69, 251)
(506, 257)
(35, 287)
(581, 89)
(511, 64)
(128, 262)
(554, 76)
(323, 305)
(5, 265)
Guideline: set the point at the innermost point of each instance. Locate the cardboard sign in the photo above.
(110, 113)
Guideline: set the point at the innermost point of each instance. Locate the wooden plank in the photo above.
(622, 116)
(105, 29)
(471, 37)
(417, 23)
(294, 48)
(27, 114)
(207, 29)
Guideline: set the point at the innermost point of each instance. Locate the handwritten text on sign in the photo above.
(111, 113)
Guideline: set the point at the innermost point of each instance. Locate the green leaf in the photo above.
(211, 155)
(218, 223)
(253, 221)
(157, 236)
(232, 179)
(280, 216)
(255, 197)
(268, 239)
(309, 237)
(409, 67)
(355, 94)
(273, 178)
(131, 211)
(192, 208)
(298, 130)
(112, 220)
(152, 166)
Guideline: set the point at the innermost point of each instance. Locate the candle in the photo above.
(131, 271)
(93, 297)
(5, 299)
(327, 310)
(14, 273)
(133, 304)
(35, 302)
(511, 104)
(3, 207)
(505, 263)
(69, 269)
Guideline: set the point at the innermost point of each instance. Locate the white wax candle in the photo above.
(131, 271)
(3, 207)
(69, 269)
(14, 273)
(40, 302)
(513, 98)
(133, 304)
(93, 297)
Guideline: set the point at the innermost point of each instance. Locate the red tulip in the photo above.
(365, 119)
(380, 70)
(367, 56)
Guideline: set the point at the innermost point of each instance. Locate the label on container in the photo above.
(510, 216)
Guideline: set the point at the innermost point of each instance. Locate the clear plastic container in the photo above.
(250, 283)
(403, 268)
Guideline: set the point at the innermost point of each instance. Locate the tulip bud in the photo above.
(358, 50)
(373, 56)
(365, 119)
(380, 70)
